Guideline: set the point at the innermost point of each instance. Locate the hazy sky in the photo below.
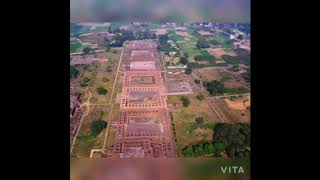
(160, 10)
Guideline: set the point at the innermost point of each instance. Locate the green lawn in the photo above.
(171, 31)
(222, 39)
(74, 46)
(175, 37)
(190, 48)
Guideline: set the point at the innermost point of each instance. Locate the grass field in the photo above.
(232, 115)
(85, 140)
(175, 37)
(187, 130)
(190, 48)
(222, 39)
(74, 46)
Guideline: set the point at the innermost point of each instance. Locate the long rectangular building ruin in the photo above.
(143, 126)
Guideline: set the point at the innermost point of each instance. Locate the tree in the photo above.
(199, 120)
(233, 138)
(185, 101)
(219, 147)
(87, 50)
(197, 81)
(105, 79)
(101, 90)
(109, 68)
(189, 69)
(97, 126)
(202, 44)
(73, 72)
(215, 87)
(200, 97)
(186, 54)
(84, 81)
(188, 151)
(183, 60)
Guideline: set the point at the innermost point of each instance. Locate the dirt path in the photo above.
(111, 108)
(87, 105)
(211, 104)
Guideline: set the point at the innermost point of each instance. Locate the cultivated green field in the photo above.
(74, 46)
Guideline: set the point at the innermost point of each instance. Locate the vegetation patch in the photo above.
(101, 90)
(73, 72)
(74, 46)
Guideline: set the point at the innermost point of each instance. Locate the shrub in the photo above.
(200, 97)
(197, 81)
(105, 79)
(101, 90)
(84, 81)
(199, 120)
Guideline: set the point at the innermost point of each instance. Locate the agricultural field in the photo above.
(186, 128)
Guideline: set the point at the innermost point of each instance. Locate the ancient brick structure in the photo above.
(143, 127)
(75, 112)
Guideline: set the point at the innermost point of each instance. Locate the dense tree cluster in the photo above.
(124, 35)
(203, 148)
(214, 87)
(202, 44)
(205, 57)
(217, 88)
(164, 45)
(234, 137)
(183, 60)
(97, 126)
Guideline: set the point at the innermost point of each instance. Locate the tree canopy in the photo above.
(73, 72)
(87, 50)
(84, 81)
(97, 126)
(185, 101)
(215, 87)
(101, 90)
(183, 60)
(189, 69)
(234, 137)
(202, 44)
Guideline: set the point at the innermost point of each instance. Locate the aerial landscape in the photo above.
(159, 90)
(162, 90)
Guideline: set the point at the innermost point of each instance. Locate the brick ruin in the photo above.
(143, 126)
(75, 112)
